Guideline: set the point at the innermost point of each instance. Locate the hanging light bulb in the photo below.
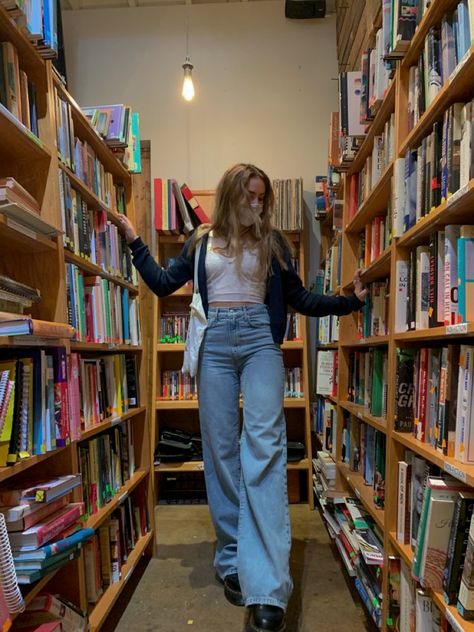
(188, 86)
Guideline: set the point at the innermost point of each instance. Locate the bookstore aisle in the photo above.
(178, 590)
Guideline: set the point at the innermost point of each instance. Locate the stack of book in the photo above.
(49, 610)
(324, 475)
(15, 297)
(43, 527)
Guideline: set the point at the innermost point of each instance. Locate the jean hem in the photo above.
(265, 601)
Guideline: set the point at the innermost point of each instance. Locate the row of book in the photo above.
(175, 207)
(119, 126)
(368, 380)
(176, 386)
(373, 317)
(39, 20)
(48, 398)
(376, 237)
(327, 372)
(363, 450)
(324, 423)
(108, 550)
(80, 157)
(375, 79)
(106, 462)
(294, 383)
(357, 539)
(43, 527)
(288, 209)
(431, 174)
(108, 386)
(17, 93)
(445, 47)
(328, 329)
(88, 233)
(434, 516)
(332, 267)
(435, 284)
(101, 311)
(434, 398)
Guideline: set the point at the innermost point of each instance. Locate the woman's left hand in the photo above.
(359, 289)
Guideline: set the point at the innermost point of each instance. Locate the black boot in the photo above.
(232, 590)
(265, 618)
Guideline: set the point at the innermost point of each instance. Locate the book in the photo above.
(47, 608)
(457, 545)
(194, 204)
(30, 326)
(69, 542)
(465, 245)
(30, 577)
(465, 603)
(41, 492)
(23, 516)
(42, 532)
(404, 402)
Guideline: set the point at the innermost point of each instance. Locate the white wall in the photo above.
(265, 88)
(265, 85)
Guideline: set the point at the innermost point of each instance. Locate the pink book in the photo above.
(44, 532)
(74, 397)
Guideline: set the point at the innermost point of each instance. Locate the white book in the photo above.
(466, 142)
(402, 500)
(464, 444)
(451, 274)
(440, 275)
(402, 296)
(407, 600)
(325, 372)
(424, 608)
(398, 201)
(420, 165)
(422, 286)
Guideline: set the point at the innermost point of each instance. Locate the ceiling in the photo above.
(76, 5)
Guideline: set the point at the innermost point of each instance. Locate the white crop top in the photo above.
(225, 284)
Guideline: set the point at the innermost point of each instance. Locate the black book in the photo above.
(458, 538)
(404, 390)
(436, 165)
(132, 382)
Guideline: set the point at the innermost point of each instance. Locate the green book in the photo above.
(376, 406)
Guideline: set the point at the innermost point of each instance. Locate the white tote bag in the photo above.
(197, 325)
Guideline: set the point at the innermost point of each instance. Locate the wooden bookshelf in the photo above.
(39, 260)
(456, 210)
(169, 356)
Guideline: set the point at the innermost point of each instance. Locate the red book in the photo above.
(376, 241)
(43, 532)
(158, 192)
(353, 196)
(194, 204)
(422, 395)
(61, 396)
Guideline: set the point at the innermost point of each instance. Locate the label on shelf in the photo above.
(122, 497)
(455, 472)
(460, 328)
(116, 420)
(459, 193)
(127, 576)
(450, 618)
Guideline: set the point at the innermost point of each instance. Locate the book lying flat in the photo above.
(26, 515)
(41, 492)
(47, 530)
(49, 550)
(25, 326)
(12, 191)
(29, 577)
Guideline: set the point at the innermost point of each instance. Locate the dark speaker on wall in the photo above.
(305, 9)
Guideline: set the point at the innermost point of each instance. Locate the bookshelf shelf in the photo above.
(16, 236)
(436, 333)
(110, 596)
(363, 492)
(18, 143)
(30, 592)
(329, 345)
(173, 404)
(84, 130)
(183, 291)
(31, 61)
(96, 270)
(459, 470)
(25, 464)
(198, 466)
(378, 269)
(104, 347)
(178, 347)
(331, 398)
(457, 88)
(376, 127)
(457, 210)
(374, 204)
(364, 415)
(173, 239)
(404, 550)
(94, 521)
(110, 422)
(373, 341)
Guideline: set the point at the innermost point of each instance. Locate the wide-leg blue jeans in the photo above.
(245, 470)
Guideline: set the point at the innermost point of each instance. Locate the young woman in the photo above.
(246, 280)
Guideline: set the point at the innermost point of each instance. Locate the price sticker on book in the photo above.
(450, 618)
(455, 472)
(460, 328)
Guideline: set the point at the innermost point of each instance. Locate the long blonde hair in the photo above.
(231, 192)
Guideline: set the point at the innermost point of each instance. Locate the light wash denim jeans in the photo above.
(245, 471)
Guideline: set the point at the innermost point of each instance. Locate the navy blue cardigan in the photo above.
(284, 287)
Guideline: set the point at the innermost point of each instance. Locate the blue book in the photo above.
(464, 29)
(38, 404)
(369, 455)
(71, 542)
(465, 245)
(35, 19)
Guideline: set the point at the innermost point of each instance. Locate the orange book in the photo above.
(20, 325)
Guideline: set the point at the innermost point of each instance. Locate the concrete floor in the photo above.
(177, 590)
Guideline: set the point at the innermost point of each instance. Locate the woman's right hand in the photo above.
(127, 228)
